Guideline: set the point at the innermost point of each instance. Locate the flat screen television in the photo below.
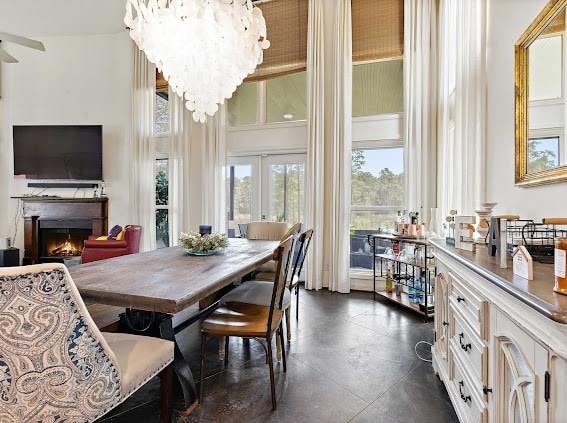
(70, 152)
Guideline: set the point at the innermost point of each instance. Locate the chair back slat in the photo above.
(303, 243)
(54, 363)
(282, 256)
(271, 231)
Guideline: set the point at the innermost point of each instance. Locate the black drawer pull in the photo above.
(459, 299)
(464, 347)
(465, 398)
(445, 323)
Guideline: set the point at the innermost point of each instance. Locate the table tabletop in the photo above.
(167, 280)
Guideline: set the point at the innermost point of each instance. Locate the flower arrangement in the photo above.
(207, 244)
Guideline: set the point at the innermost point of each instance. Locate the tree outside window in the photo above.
(377, 193)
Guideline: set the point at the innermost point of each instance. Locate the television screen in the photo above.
(58, 152)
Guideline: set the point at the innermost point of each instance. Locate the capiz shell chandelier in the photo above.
(204, 48)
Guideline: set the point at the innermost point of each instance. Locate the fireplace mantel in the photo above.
(41, 212)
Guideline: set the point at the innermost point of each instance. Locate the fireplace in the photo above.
(62, 239)
(55, 228)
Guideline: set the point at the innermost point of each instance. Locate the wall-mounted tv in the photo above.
(70, 152)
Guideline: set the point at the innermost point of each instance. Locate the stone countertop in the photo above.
(537, 293)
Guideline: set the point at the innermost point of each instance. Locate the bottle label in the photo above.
(560, 261)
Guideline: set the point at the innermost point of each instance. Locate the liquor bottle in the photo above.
(389, 281)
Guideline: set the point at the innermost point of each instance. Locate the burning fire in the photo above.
(67, 248)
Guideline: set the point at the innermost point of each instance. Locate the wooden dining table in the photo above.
(166, 282)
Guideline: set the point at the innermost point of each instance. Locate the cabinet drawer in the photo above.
(470, 305)
(469, 347)
(471, 409)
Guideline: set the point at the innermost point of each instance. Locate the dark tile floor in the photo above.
(350, 360)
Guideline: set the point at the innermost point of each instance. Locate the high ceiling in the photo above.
(61, 17)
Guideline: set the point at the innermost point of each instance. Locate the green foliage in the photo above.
(539, 160)
(161, 188)
(385, 189)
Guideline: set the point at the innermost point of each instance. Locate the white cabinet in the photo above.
(442, 315)
(500, 360)
(519, 367)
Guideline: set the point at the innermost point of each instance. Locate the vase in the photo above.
(202, 252)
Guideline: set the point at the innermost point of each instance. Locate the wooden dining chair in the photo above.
(303, 243)
(266, 271)
(55, 365)
(259, 292)
(252, 320)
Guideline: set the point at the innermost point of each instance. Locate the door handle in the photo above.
(464, 347)
(465, 398)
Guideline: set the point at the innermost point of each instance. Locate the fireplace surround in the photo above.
(55, 228)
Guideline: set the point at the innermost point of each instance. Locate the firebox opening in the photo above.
(63, 242)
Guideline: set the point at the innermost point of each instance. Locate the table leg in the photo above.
(180, 365)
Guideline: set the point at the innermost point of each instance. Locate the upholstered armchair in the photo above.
(95, 250)
(55, 365)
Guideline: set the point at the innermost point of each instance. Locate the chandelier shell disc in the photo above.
(204, 48)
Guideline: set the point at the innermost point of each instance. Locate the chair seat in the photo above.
(255, 292)
(240, 319)
(140, 358)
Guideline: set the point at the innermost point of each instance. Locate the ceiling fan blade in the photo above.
(5, 57)
(23, 41)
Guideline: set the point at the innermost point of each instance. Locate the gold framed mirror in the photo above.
(541, 98)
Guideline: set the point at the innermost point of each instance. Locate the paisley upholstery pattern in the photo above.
(55, 366)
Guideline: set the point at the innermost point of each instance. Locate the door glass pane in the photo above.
(239, 196)
(161, 171)
(287, 196)
(162, 228)
(242, 105)
(286, 98)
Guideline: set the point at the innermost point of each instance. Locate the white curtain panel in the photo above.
(142, 181)
(329, 75)
(420, 91)
(197, 158)
(180, 123)
(462, 105)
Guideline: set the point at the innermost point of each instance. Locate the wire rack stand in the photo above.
(414, 276)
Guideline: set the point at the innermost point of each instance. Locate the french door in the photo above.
(268, 187)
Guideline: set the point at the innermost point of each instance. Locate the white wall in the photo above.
(80, 79)
(507, 19)
(292, 137)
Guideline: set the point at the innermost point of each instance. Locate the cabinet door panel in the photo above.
(519, 373)
(441, 314)
(558, 387)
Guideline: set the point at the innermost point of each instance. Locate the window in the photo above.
(161, 162)
(161, 171)
(377, 194)
(286, 98)
(161, 113)
(279, 99)
(377, 88)
(242, 106)
(543, 153)
(546, 76)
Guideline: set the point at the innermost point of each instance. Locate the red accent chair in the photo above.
(95, 250)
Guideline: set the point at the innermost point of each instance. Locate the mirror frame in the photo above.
(522, 177)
